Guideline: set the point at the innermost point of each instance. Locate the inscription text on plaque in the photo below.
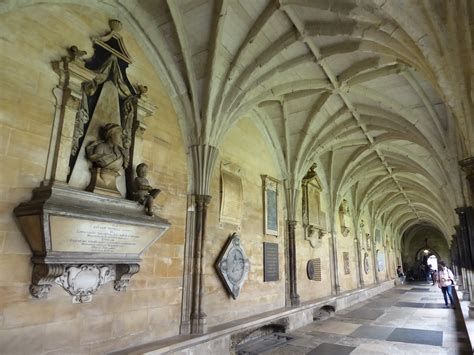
(270, 262)
(79, 235)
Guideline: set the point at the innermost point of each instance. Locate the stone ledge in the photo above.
(468, 322)
(298, 317)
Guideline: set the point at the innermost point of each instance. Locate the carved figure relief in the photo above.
(143, 192)
(233, 266)
(313, 217)
(108, 157)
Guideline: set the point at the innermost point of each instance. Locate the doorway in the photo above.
(433, 261)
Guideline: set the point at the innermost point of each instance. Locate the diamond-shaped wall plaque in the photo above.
(233, 266)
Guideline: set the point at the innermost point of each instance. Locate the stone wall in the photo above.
(244, 147)
(31, 39)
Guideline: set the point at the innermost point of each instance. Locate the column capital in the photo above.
(203, 199)
(467, 165)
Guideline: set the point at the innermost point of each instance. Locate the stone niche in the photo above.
(93, 216)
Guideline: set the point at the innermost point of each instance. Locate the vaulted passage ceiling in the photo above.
(376, 92)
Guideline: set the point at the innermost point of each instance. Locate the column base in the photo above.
(295, 300)
(471, 310)
(199, 324)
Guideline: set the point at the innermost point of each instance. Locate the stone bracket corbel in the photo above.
(43, 277)
(313, 234)
(345, 231)
(123, 274)
(81, 281)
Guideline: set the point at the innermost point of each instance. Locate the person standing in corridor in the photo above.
(445, 282)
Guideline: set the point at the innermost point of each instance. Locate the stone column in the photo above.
(466, 240)
(203, 158)
(374, 259)
(361, 264)
(336, 287)
(360, 281)
(294, 297)
(198, 317)
(465, 282)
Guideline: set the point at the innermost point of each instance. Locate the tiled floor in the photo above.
(409, 319)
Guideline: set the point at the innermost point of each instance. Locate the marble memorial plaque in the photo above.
(80, 235)
(313, 269)
(231, 199)
(270, 204)
(380, 260)
(270, 262)
(347, 266)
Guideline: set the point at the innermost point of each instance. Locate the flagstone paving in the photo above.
(408, 319)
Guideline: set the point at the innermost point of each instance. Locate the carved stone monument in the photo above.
(313, 218)
(344, 218)
(82, 224)
(233, 266)
(270, 205)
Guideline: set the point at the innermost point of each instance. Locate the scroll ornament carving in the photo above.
(44, 276)
(83, 281)
(313, 235)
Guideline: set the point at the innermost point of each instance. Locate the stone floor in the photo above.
(408, 319)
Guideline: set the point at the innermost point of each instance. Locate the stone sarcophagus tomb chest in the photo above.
(93, 217)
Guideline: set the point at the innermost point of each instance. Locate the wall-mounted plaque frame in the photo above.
(270, 262)
(313, 269)
(270, 205)
(233, 266)
(231, 194)
(366, 263)
(380, 255)
(313, 218)
(344, 218)
(347, 265)
(378, 236)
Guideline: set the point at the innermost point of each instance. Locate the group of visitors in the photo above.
(444, 277)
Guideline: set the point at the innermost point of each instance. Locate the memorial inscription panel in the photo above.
(313, 269)
(80, 235)
(270, 262)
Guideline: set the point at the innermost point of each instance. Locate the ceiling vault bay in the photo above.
(377, 92)
(348, 84)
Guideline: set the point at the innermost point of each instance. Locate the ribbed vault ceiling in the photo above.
(376, 92)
